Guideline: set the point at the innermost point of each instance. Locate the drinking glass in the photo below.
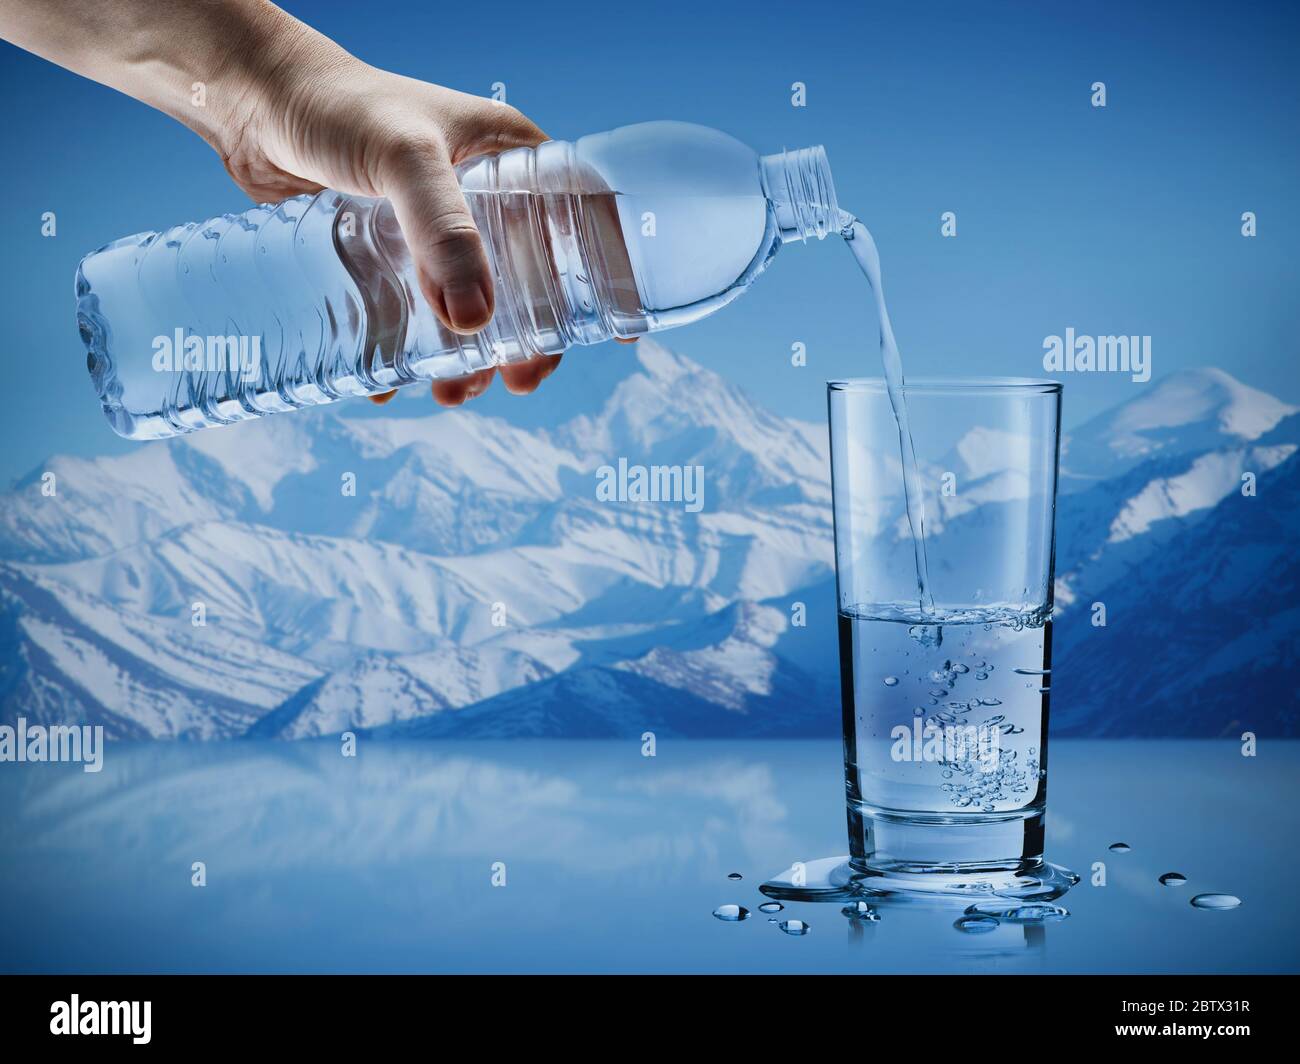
(946, 680)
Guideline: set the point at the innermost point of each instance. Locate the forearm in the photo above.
(289, 112)
(207, 63)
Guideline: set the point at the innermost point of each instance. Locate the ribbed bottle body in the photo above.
(312, 301)
(316, 299)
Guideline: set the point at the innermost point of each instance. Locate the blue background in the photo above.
(1122, 220)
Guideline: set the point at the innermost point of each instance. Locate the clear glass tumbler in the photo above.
(946, 691)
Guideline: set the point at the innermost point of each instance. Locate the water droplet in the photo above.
(1019, 912)
(1216, 901)
(793, 927)
(981, 675)
(961, 668)
(1116, 847)
(731, 913)
(734, 875)
(1173, 879)
(891, 681)
(771, 907)
(862, 912)
(976, 925)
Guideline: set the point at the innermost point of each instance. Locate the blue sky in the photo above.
(1120, 220)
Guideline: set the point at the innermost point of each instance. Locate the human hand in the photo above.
(332, 121)
(291, 112)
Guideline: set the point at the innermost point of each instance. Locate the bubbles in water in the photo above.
(928, 635)
(1173, 879)
(793, 927)
(981, 675)
(734, 875)
(976, 925)
(891, 681)
(1120, 847)
(731, 913)
(1019, 912)
(771, 907)
(861, 912)
(1216, 901)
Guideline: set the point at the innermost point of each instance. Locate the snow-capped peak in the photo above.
(1192, 410)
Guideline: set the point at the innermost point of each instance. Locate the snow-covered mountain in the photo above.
(1185, 413)
(458, 573)
(1201, 639)
(399, 570)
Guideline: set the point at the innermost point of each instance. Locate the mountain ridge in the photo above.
(474, 583)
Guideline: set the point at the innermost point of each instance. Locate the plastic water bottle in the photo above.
(618, 234)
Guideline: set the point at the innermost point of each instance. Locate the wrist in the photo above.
(258, 60)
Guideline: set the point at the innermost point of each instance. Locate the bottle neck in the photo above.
(799, 187)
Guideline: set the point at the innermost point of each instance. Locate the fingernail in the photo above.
(466, 307)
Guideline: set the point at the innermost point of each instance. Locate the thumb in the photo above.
(440, 232)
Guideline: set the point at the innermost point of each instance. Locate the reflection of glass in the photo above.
(945, 710)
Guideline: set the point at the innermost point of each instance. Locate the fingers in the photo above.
(490, 126)
(455, 392)
(436, 223)
(444, 242)
(451, 264)
(520, 378)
